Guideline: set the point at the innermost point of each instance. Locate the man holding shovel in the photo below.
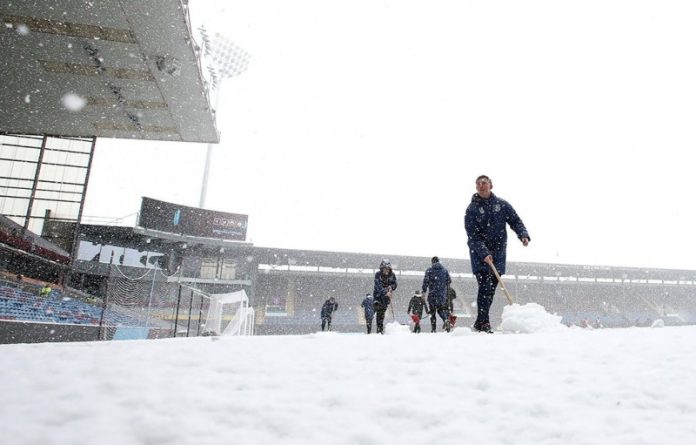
(385, 284)
(485, 222)
(436, 282)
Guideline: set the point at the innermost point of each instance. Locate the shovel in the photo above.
(502, 284)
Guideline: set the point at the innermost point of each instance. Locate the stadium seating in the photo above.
(21, 304)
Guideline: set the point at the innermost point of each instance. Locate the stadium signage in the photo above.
(183, 220)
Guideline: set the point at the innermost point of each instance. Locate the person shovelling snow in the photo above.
(415, 308)
(436, 282)
(485, 222)
(385, 284)
(327, 311)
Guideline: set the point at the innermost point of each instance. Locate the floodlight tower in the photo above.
(225, 59)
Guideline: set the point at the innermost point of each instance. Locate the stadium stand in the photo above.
(22, 250)
(46, 150)
(24, 303)
(582, 295)
(287, 294)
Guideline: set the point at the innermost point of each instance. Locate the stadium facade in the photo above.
(132, 70)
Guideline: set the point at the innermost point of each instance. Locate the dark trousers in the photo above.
(435, 310)
(379, 314)
(326, 321)
(487, 282)
(368, 323)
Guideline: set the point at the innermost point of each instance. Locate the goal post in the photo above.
(230, 314)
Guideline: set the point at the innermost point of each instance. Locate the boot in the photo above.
(483, 327)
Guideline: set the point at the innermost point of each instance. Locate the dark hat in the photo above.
(384, 264)
(435, 260)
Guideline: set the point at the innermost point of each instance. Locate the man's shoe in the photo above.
(485, 327)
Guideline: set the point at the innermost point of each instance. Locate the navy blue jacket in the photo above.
(485, 221)
(367, 303)
(437, 278)
(382, 285)
(328, 308)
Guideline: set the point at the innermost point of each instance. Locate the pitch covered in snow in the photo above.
(546, 385)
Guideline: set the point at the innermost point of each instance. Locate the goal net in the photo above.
(230, 314)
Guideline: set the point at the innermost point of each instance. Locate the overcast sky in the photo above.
(361, 126)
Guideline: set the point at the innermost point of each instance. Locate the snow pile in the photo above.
(462, 330)
(320, 334)
(395, 328)
(528, 318)
(659, 323)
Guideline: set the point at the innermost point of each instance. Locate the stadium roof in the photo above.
(122, 69)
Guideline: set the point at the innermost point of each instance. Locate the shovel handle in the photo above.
(502, 284)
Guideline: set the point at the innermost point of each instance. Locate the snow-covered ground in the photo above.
(552, 385)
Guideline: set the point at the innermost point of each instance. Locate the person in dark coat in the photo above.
(485, 222)
(368, 305)
(436, 282)
(385, 284)
(327, 310)
(415, 309)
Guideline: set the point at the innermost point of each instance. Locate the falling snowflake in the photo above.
(22, 29)
(27, 98)
(74, 102)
